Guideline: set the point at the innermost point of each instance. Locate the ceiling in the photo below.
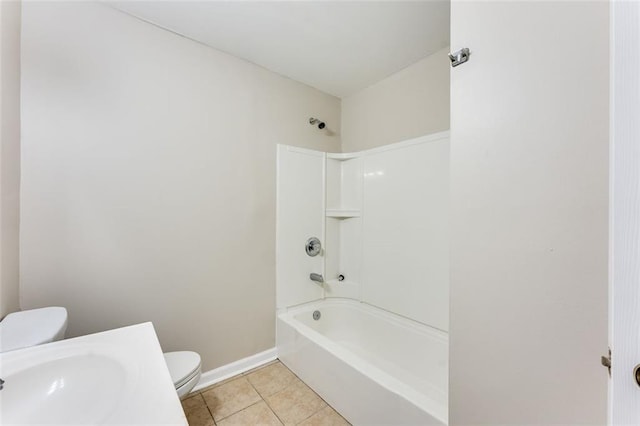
(339, 47)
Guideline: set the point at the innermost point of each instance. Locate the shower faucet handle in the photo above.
(313, 247)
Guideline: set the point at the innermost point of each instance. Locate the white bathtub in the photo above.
(374, 367)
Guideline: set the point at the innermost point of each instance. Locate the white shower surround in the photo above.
(374, 367)
(379, 353)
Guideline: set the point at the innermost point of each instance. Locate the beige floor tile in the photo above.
(325, 417)
(196, 411)
(230, 398)
(220, 383)
(295, 403)
(271, 379)
(257, 414)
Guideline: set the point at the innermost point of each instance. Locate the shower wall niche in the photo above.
(343, 225)
(382, 217)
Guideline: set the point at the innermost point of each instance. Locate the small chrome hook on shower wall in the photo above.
(314, 121)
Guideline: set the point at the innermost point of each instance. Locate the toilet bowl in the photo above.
(32, 327)
(185, 369)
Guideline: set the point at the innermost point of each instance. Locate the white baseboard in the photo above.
(219, 374)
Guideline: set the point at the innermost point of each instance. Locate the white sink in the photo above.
(59, 387)
(113, 377)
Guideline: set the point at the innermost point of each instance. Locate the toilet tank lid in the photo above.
(32, 327)
(182, 365)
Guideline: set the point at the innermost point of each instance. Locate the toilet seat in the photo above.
(184, 368)
(32, 327)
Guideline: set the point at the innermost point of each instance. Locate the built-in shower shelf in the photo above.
(342, 213)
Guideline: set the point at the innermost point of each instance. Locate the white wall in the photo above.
(405, 232)
(300, 216)
(410, 103)
(529, 187)
(624, 296)
(10, 12)
(149, 171)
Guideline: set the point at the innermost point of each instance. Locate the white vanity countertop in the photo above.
(114, 377)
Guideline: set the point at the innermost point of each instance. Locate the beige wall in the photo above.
(9, 154)
(529, 187)
(410, 103)
(149, 179)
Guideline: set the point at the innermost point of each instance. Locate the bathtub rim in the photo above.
(428, 403)
(369, 309)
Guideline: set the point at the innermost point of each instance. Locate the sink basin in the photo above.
(58, 389)
(115, 377)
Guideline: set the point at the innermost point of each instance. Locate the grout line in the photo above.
(262, 398)
(288, 386)
(266, 402)
(220, 383)
(233, 379)
(253, 387)
(191, 395)
(208, 409)
(195, 395)
(305, 419)
(210, 413)
(323, 400)
(246, 408)
(320, 409)
(273, 411)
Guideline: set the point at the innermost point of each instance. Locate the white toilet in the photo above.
(185, 369)
(32, 327)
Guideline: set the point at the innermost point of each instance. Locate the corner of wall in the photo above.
(10, 22)
(410, 103)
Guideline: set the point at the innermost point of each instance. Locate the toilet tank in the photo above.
(32, 327)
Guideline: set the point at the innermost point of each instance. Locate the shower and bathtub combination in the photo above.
(362, 278)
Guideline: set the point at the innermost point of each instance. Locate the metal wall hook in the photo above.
(459, 57)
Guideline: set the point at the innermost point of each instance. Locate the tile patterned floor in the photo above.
(268, 395)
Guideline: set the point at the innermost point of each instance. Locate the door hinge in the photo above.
(606, 361)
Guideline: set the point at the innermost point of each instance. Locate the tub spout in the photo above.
(316, 277)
